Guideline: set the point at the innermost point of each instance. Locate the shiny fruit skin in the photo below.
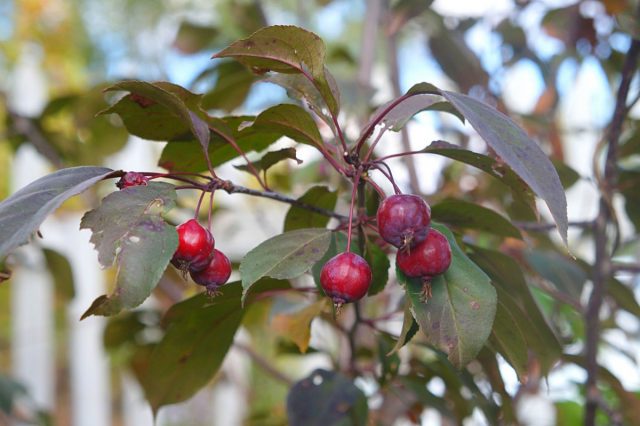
(345, 278)
(429, 258)
(195, 246)
(216, 273)
(403, 220)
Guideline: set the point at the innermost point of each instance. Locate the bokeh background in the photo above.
(553, 65)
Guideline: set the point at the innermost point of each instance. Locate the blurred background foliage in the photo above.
(552, 65)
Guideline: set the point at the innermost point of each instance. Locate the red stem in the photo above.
(235, 146)
(354, 192)
(199, 204)
(389, 175)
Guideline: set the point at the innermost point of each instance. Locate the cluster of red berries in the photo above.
(403, 221)
(196, 253)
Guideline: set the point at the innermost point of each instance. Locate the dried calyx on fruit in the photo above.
(426, 260)
(195, 247)
(215, 274)
(403, 220)
(132, 179)
(345, 278)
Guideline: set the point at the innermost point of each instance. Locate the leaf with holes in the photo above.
(22, 213)
(518, 151)
(287, 49)
(128, 229)
(458, 318)
(326, 398)
(199, 332)
(299, 218)
(284, 256)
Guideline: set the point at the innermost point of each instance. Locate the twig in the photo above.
(626, 267)
(235, 146)
(544, 227)
(264, 364)
(233, 189)
(26, 127)
(603, 267)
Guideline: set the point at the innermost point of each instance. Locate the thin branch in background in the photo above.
(545, 227)
(264, 364)
(394, 76)
(26, 127)
(633, 268)
(603, 267)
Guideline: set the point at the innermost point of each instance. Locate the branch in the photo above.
(26, 127)
(626, 267)
(231, 188)
(544, 227)
(264, 364)
(603, 267)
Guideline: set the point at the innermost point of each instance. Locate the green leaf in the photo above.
(400, 115)
(199, 332)
(60, 269)
(185, 155)
(286, 49)
(291, 121)
(284, 256)
(379, 263)
(231, 89)
(326, 398)
(507, 276)
(10, 391)
(517, 150)
(501, 172)
(192, 38)
(301, 89)
(623, 296)
(458, 318)
(272, 158)
(466, 215)
(565, 274)
(22, 213)
(299, 218)
(128, 229)
(508, 335)
(409, 329)
(159, 111)
(296, 326)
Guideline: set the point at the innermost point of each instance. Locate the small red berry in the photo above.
(429, 258)
(403, 220)
(195, 246)
(132, 179)
(345, 278)
(215, 274)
